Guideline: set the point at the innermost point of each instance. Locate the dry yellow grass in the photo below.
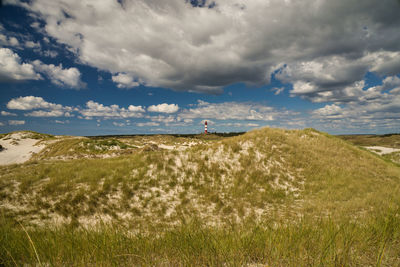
(293, 181)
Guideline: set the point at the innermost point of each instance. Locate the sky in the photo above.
(97, 67)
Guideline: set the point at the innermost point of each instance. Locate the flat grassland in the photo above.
(268, 197)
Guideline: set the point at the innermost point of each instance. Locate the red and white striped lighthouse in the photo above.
(205, 127)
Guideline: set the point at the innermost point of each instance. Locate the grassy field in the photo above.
(273, 197)
(389, 140)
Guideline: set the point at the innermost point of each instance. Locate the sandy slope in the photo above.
(18, 149)
(380, 150)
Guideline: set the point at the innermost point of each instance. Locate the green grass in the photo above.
(30, 134)
(270, 196)
(388, 140)
(83, 147)
(310, 242)
(393, 157)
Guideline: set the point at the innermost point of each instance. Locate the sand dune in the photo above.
(18, 148)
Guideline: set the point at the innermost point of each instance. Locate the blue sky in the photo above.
(133, 67)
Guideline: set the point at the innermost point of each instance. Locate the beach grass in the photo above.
(271, 196)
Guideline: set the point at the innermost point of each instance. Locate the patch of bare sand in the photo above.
(380, 150)
(17, 148)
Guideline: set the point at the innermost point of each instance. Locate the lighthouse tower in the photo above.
(205, 127)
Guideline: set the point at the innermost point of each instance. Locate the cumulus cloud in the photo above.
(16, 122)
(9, 41)
(133, 108)
(150, 123)
(31, 102)
(43, 108)
(50, 53)
(376, 107)
(12, 69)
(190, 47)
(164, 119)
(124, 81)
(164, 108)
(230, 111)
(61, 122)
(31, 44)
(119, 124)
(329, 78)
(42, 113)
(391, 82)
(277, 90)
(94, 109)
(5, 113)
(68, 77)
(239, 125)
(329, 111)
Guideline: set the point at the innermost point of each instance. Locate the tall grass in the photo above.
(227, 202)
(309, 242)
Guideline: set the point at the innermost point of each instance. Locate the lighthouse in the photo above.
(205, 127)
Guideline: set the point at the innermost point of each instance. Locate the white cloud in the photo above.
(230, 111)
(31, 44)
(13, 41)
(177, 45)
(133, 108)
(278, 90)
(124, 81)
(391, 82)
(239, 124)
(164, 108)
(5, 113)
(61, 122)
(58, 75)
(42, 113)
(11, 67)
(31, 102)
(377, 107)
(50, 53)
(384, 62)
(94, 109)
(332, 111)
(46, 109)
(16, 122)
(119, 124)
(150, 123)
(163, 119)
(9, 41)
(3, 39)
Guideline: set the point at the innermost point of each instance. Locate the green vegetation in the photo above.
(270, 196)
(82, 147)
(324, 242)
(393, 157)
(387, 140)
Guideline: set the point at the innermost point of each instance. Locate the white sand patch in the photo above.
(18, 149)
(380, 150)
(166, 147)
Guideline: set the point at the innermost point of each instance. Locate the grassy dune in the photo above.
(389, 140)
(270, 196)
